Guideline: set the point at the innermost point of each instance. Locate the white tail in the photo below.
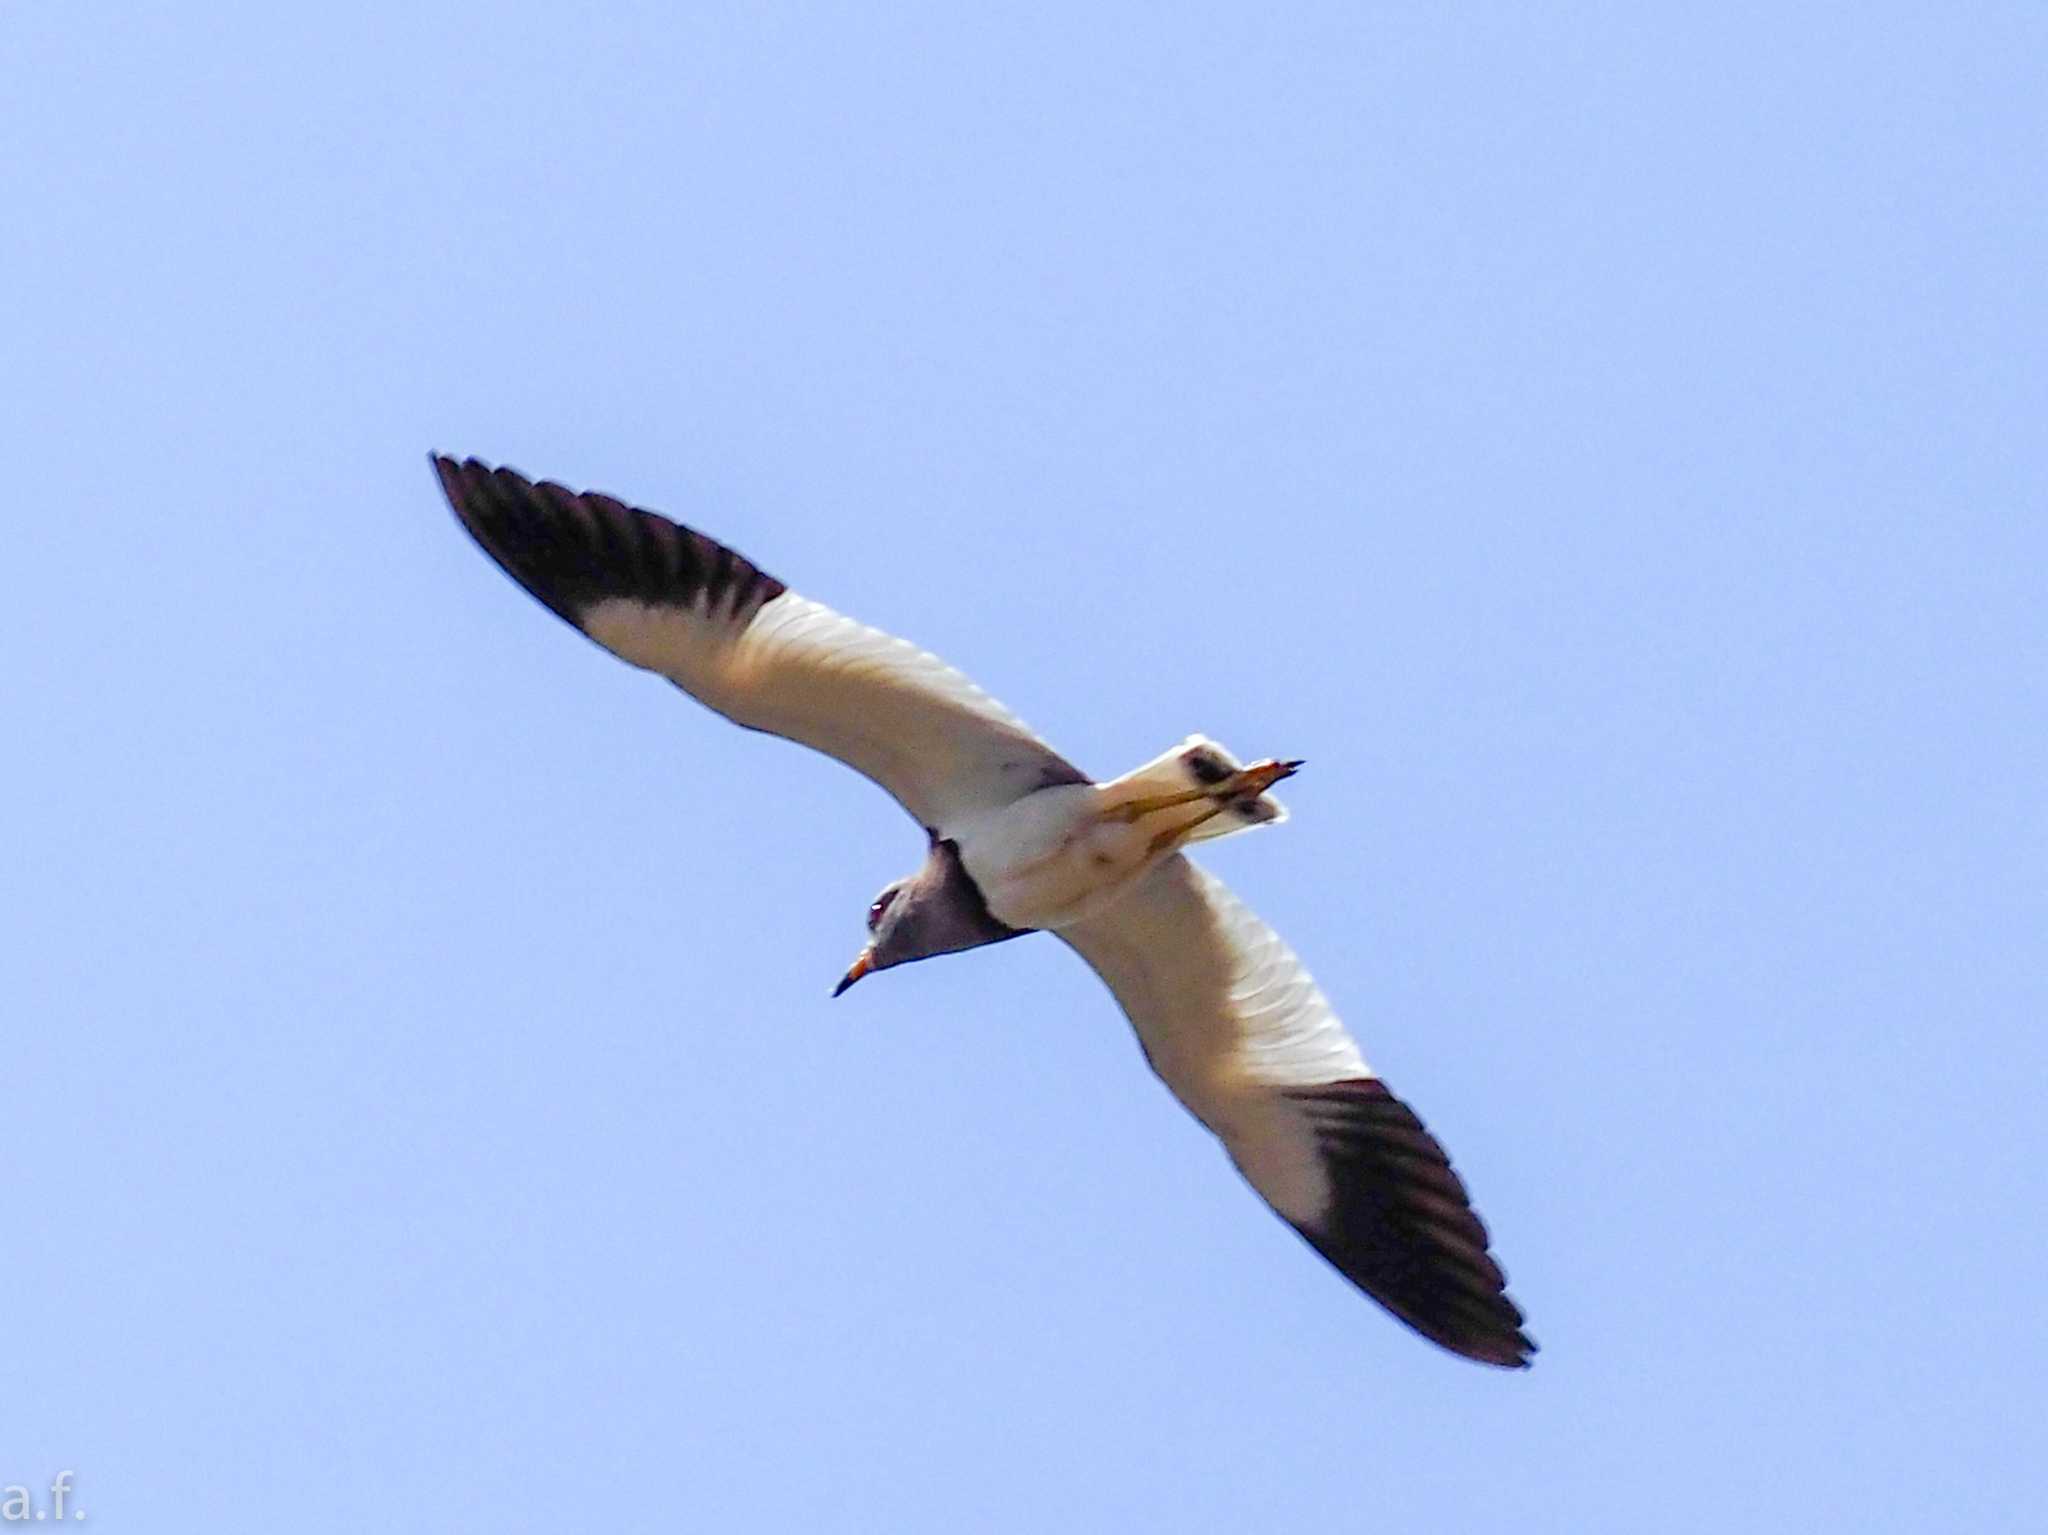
(1197, 761)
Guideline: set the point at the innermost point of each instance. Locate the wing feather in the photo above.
(1233, 1024)
(669, 599)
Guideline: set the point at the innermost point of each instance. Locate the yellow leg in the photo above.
(1245, 782)
(1173, 836)
(1132, 810)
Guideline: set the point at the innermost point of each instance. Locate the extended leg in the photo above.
(1245, 783)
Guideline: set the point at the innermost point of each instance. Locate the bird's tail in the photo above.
(1196, 763)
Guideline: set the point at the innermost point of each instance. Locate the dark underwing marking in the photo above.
(574, 550)
(1050, 772)
(1401, 1225)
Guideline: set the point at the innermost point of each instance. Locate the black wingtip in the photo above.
(1402, 1228)
(572, 549)
(449, 473)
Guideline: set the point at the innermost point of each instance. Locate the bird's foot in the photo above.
(1259, 777)
(1245, 783)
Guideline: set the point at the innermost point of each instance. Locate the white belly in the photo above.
(1050, 858)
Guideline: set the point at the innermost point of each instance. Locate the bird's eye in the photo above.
(881, 905)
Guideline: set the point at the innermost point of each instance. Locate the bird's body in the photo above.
(1019, 840)
(1051, 857)
(1063, 852)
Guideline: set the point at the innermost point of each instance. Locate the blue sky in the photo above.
(1606, 441)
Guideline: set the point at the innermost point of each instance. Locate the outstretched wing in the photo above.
(1232, 1022)
(736, 639)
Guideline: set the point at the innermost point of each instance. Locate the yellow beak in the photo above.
(860, 967)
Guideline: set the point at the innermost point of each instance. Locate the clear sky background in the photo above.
(1606, 441)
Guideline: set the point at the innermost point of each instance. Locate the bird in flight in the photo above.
(1019, 840)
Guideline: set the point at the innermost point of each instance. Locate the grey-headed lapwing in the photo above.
(1020, 840)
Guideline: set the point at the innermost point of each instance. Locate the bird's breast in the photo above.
(1051, 858)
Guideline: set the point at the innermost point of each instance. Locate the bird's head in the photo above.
(897, 924)
(937, 910)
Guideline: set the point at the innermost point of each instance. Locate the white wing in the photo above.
(1232, 1022)
(669, 599)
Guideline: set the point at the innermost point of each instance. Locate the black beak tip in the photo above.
(844, 982)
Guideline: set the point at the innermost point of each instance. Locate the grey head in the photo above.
(937, 910)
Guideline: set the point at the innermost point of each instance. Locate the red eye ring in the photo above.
(881, 905)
